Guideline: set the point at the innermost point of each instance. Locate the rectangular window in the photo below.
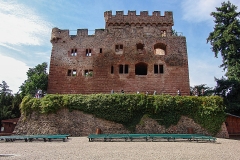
(112, 70)
(72, 72)
(88, 52)
(123, 69)
(74, 52)
(88, 73)
(155, 69)
(100, 50)
(118, 47)
(158, 69)
(126, 69)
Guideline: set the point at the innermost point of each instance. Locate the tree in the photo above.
(201, 90)
(230, 91)
(225, 38)
(37, 78)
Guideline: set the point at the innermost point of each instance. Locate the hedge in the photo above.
(128, 109)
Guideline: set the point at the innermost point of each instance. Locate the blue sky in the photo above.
(26, 25)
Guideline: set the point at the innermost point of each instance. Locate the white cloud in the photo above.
(199, 10)
(21, 25)
(203, 71)
(13, 72)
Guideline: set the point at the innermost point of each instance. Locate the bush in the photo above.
(128, 109)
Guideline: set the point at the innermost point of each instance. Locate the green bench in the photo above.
(146, 137)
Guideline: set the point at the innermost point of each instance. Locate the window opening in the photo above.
(141, 68)
(163, 33)
(140, 48)
(88, 73)
(118, 47)
(72, 72)
(123, 69)
(120, 68)
(112, 70)
(159, 49)
(158, 69)
(74, 52)
(88, 52)
(100, 50)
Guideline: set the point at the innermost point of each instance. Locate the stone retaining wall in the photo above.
(77, 123)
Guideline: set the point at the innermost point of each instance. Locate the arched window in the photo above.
(141, 68)
(159, 49)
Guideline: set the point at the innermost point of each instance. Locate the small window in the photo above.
(72, 72)
(100, 50)
(88, 73)
(158, 69)
(163, 33)
(74, 52)
(159, 49)
(112, 70)
(140, 48)
(88, 52)
(118, 47)
(123, 69)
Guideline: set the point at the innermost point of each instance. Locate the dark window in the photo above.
(123, 69)
(72, 72)
(158, 69)
(141, 68)
(88, 52)
(118, 47)
(120, 68)
(155, 69)
(126, 69)
(88, 73)
(112, 70)
(69, 72)
(100, 50)
(74, 52)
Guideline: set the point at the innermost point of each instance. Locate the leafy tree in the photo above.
(225, 38)
(230, 91)
(201, 90)
(6, 98)
(37, 78)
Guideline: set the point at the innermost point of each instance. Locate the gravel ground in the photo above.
(80, 148)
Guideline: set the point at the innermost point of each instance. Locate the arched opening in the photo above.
(159, 49)
(141, 68)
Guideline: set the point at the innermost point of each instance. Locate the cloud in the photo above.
(21, 25)
(14, 74)
(199, 10)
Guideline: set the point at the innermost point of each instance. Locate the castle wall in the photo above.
(77, 123)
(112, 59)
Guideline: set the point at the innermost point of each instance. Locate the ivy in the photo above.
(128, 109)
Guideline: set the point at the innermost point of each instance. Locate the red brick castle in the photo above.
(133, 53)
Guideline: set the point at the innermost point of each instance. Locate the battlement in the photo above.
(143, 19)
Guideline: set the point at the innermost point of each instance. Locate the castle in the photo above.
(134, 53)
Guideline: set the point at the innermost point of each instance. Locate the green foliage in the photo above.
(128, 109)
(225, 38)
(9, 103)
(37, 78)
(201, 90)
(230, 91)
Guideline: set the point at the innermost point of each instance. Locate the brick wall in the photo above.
(118, 44)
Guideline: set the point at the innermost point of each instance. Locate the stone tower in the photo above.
(133, 53)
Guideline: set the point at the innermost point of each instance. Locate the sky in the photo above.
(26, 26)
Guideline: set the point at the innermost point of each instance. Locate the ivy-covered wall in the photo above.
(128, 109)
